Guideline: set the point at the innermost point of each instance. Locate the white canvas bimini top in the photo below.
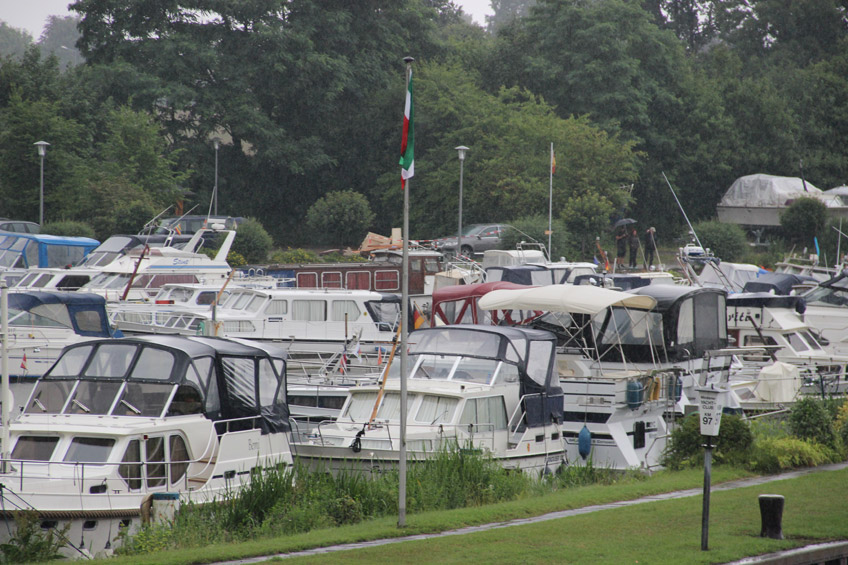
(564, 298)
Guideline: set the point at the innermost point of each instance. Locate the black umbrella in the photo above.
(623, 222)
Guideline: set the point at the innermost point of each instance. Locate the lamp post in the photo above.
(461, 150)
(42, 151)
(216, 142)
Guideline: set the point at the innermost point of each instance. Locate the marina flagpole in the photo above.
(407, 162)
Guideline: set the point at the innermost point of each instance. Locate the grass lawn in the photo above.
(657, 532)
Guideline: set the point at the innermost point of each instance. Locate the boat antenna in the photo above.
(698, 241)
(152, 222)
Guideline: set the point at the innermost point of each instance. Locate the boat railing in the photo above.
(481, 435)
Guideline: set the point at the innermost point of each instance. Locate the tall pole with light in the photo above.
(461, 150)
(42, 152)
(216, 143)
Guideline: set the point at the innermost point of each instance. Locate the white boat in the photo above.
(140, 272)
(485, 388)
(827, 312)
(303, 321)
(41, 324)
(68, 278)
(775, 323)
(116, 423)
(625, 360)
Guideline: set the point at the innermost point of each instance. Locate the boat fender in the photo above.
(635, 394)
(356, 445)
(584, 442)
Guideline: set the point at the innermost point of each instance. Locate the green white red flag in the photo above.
(407, 145)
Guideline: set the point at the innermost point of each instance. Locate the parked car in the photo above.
(18, 226)
(476, 238)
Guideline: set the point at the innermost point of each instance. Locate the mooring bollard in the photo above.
(771, 512)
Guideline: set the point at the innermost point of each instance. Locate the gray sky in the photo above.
(31, 14)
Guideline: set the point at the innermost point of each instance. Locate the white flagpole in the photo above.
(404, 335)
(551, 202)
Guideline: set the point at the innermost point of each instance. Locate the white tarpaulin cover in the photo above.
(778, 382)
(772, 191)
(564, 298)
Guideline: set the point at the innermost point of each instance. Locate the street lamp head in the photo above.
(462, 149)
(215, 143)
(42, 147)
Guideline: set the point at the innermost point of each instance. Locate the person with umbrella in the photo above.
(620, 245)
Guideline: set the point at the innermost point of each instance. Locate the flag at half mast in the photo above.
(407, 145)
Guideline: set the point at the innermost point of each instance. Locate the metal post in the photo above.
(404, 336)
(705, 514)
(4, 394)
(42, 151)
(216, 143)
(461, 149)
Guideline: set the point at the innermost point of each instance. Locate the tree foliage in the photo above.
(252, 242)
(727, 241)
(340, 218)
(804, 220)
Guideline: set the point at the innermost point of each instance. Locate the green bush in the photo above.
(294, 256)
(340, 218)
(686, 446)
(727, 241)
(252, 241)
(68, 228)
(811, 420)
(771, 455)
(803, 220)
(236, 259)
(30, 544)
(131, 218)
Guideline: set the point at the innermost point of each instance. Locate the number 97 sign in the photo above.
(710, 411)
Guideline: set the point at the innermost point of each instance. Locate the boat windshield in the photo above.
(457, 368)
(826, 296)
(25, 318)
(625, 327)
(99, 397)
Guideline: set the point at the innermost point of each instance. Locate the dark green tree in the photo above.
(60, 38)
(13, 41)
(252, 241)
(727, 241)
(340, 218)
(804, 220)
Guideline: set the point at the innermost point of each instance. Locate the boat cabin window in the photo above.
(431, 265)
(507, 373)
(71, 362)
(208, 297)
(755, 340)
(255, 304)
(154, 364)
(386, 280)
(436, 409)
(485, 412)
(72, 282)
(309, 310)
(179, 458)
(49, 397)
(539, 361)
(27, 280)
(93, 397)
(89, 450)
(187, 400)
(24, 319)
(345, 307)
(635, 332)
(385, 314)
(472, 370)
(277, 308)
(436, 367)
(111, 360)
(239, 375)
(34, 448)
(88, 320)
(154, 449)
(269, 385)
(360, 406)
(797, 342)
(390, 407)
(241, 300)
(811, 339)
(143, 399)
(130, 467)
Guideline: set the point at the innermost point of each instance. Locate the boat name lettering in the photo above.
(178, 261)
(275, 319)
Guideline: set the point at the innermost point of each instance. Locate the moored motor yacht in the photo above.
(475, 387)
(116, 422)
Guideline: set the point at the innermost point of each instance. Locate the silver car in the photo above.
(476, 238)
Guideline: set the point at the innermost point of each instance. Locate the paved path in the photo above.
(550, 516)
